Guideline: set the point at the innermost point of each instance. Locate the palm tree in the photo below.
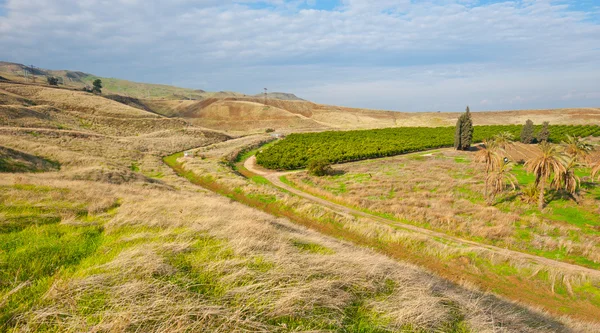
(488, 154)
(543, 166)
(499, 178)
(567, 179)
(504, 139)
(577, 148)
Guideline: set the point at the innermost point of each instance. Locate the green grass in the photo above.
(35, 249)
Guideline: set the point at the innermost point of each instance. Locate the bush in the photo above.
(319, 168)
(53, 81)
(544, 133)
(527, 134)
(269, 130)
(97, 86)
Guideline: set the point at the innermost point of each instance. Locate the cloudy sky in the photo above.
(398, 55)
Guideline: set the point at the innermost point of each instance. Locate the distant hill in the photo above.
(77, 79)
(280, 95)
(232, 111)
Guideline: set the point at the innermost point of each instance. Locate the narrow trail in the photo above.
(274, 178)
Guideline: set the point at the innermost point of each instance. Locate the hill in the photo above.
(280, 95)
(76, 79)
(284, 112)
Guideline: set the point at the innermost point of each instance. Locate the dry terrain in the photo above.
(97, 233)
(238, 113)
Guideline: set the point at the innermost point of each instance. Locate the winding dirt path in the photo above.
(274, 178)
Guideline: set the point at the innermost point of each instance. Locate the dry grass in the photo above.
(160, 244)
(174, 257)
(444, 192)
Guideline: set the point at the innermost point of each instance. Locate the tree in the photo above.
(97, 89)
(53, 81)
(543, 166)
(577, 148)
(504, 139)
(544, 134)
(488, 154)
(499, 179)
(463, 135)
(319, 168)
(527, 133)
(567, 179)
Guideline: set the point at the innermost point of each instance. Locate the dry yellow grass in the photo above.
(175, 257)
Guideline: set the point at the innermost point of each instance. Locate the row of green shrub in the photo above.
(297, 150)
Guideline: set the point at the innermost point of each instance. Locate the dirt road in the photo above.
(274, 178)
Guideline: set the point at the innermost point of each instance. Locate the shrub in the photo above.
(544, 133)
(97, 89)
(269, 130)
(53, 81)
(527, 133)
(319, 168)
(530, 194)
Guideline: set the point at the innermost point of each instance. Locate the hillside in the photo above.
(78, 80)
(231, 111)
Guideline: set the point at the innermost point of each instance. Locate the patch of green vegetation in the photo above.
(522, 176)
(135, 167)
(567, 212)
(462, 160)
(467, 193)
(312, 247)
(247, 154)
(260, 180)
(194, 271)
(260, 264)
(154, 174)
(264, 198)
(32, 258)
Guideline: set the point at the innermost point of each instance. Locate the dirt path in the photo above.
(273, 177)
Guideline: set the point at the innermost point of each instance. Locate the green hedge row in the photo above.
(295, 151)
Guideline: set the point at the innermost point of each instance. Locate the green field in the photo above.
(344, 146)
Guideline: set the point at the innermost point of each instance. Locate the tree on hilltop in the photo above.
(97, 89)
(52, 80)
(527, 133)
(463, 136)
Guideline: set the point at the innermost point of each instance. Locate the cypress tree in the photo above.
(467, 130)
(463, 135)
(544, 133)
(527, 133)
(457, 133)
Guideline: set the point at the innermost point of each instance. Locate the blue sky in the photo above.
(389, 54)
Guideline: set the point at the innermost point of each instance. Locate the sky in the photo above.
(403, 55)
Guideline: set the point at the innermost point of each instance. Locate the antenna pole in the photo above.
(265, 96)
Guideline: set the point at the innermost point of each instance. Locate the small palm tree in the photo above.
(567, 179)
(499, 179)
(488, 154)
(543, 166)
(504, 139)
(577, 148)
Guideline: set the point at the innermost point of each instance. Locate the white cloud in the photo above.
(356, 53)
